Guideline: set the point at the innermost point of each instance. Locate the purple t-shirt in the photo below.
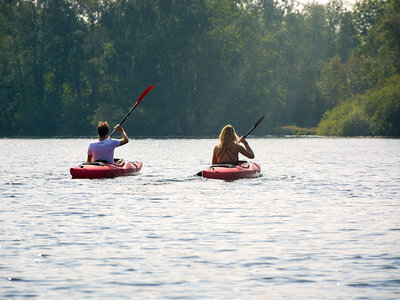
(103, 150)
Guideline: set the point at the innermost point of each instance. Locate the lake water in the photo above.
(323, 221)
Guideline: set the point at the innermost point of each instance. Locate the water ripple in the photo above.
(322, 222)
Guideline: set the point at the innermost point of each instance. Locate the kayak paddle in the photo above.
(145, 92)
(256, 124)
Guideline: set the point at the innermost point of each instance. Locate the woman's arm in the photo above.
(246, 151)
(214, 158)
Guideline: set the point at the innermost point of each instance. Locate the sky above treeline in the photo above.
(347, 2)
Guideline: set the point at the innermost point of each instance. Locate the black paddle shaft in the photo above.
(256, 124)
(123, 120)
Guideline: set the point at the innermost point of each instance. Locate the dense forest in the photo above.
(65, 64)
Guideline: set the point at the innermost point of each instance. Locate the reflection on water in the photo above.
(322, 221)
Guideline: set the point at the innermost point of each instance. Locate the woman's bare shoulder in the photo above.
(237, 146)
(241, 149)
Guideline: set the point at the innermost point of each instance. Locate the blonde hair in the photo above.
(227, 137)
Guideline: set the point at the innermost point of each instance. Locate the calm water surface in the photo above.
(322, 222)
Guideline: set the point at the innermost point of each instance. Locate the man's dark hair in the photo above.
(103, 129)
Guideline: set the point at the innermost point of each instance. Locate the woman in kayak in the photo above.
(103, 150)
(228, 149)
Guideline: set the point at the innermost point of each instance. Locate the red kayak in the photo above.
(106, 170)
(231, 171)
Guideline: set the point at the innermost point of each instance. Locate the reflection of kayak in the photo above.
(104, 170)
(232, 172)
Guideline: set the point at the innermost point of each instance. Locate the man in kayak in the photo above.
(103, 150)
(228, 149)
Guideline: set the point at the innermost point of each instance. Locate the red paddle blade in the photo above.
(145, 92)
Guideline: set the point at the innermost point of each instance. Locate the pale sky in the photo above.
(349, 2)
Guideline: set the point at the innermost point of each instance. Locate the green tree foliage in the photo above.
(347, 119)
(371, 75)
(383, 107)
(66, 64)
(374, 113)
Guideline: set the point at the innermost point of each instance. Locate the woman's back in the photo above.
(226, 155)
(228, 149)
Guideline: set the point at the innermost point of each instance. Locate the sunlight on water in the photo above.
(322, 222)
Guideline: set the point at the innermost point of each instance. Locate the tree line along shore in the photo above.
(319, 69)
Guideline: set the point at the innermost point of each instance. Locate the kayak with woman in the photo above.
(228, 149)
